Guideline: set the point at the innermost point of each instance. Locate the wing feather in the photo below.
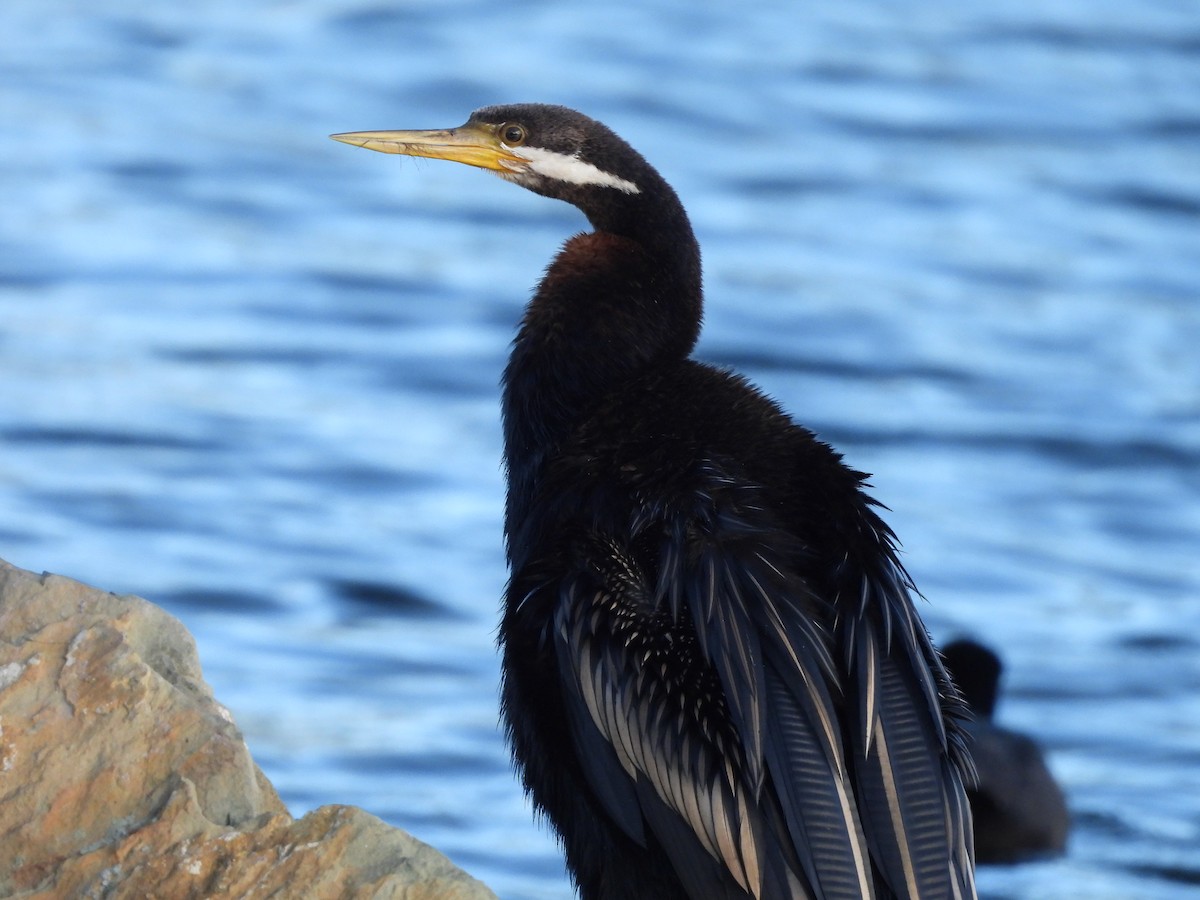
(632, 721)
(908, 784)
(775, 744)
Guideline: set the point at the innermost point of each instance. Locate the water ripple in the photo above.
(252, 374)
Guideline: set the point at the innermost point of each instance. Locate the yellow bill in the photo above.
(472, 144)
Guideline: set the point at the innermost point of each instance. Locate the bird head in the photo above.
(551, 150)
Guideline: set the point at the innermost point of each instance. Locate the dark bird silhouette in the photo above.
(1019, 810)
(715, 684)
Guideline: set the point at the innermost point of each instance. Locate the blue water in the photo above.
(251, 374)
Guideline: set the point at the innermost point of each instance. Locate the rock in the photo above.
(121, 775)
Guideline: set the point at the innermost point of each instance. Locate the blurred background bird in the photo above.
(1019, 810)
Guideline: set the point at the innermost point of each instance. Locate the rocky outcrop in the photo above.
(121, 775)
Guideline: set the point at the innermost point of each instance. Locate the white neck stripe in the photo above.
(561, 167)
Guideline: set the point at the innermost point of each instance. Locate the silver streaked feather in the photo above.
(770, 795)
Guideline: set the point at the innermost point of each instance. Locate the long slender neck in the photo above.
(614, 304)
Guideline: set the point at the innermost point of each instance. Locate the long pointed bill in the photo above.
(467, 144)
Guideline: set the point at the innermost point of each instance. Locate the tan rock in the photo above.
(121, 776)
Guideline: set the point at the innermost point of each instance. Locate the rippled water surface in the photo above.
(252, 374)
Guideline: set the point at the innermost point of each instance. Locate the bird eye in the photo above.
(513, 135)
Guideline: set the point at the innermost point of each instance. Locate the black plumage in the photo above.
(715, 681)
(1019, 811)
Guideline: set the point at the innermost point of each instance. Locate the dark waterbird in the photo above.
(1018, 808)
(715, 682)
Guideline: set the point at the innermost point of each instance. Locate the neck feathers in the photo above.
(614, 304)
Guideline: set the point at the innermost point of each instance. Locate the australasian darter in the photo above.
(715, 683)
